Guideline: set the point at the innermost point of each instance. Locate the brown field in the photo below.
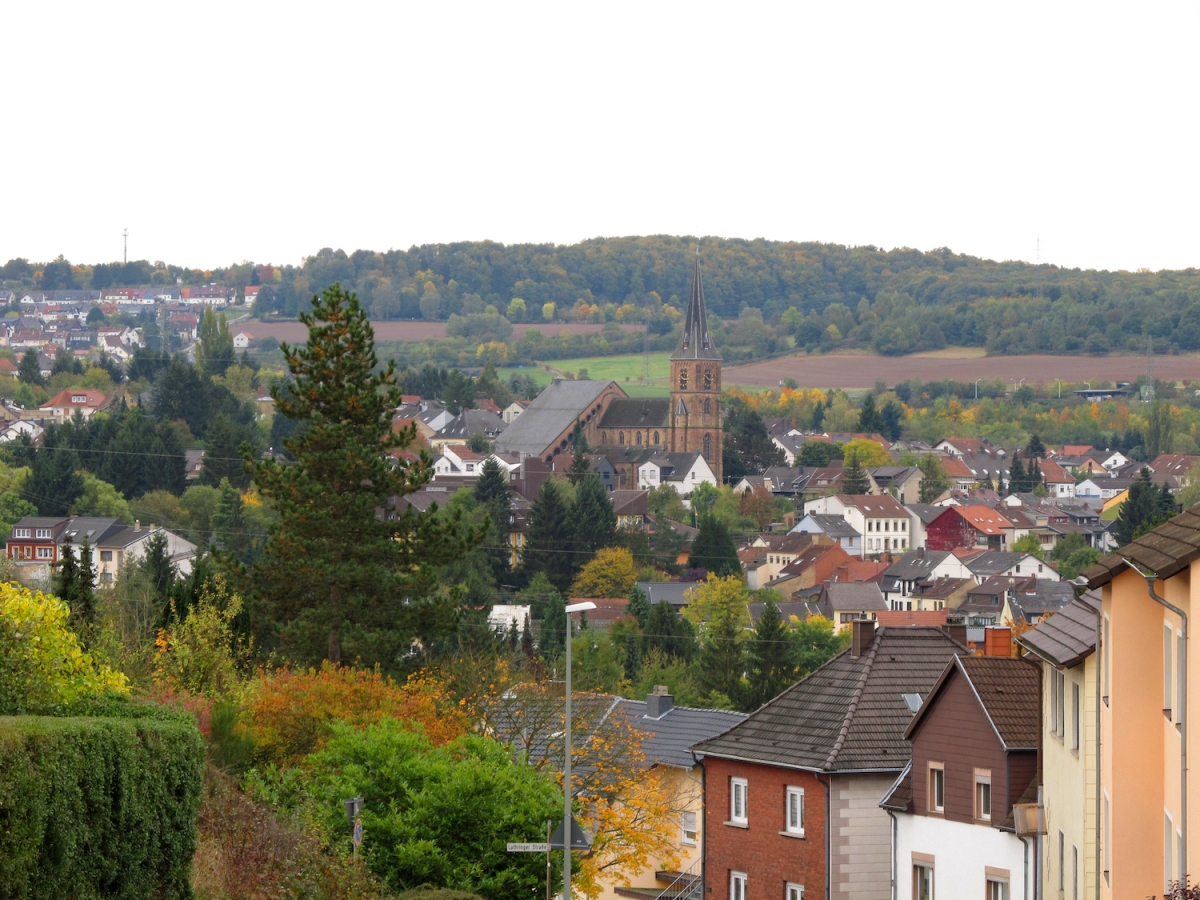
(855, 371)
(392, 330)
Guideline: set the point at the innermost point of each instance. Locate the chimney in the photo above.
(659, 702)
(137, 524)
(956, 633)
(997, 642)
(861, 635)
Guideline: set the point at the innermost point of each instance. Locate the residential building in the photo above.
(791, 793)
(1149, 593)
(242, 339)
(883, 521)
(844, 603)
(902, 482)
(513, 410)
(974, 745)
(1065, 644)
(37, 544)
(834, 527)
(681, 471)
(85, 401)
(969, 526)
(631, 508)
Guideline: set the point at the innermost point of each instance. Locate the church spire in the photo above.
(695, 342)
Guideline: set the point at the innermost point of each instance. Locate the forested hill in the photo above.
(824, 295)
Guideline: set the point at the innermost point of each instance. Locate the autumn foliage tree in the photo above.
(610, 573)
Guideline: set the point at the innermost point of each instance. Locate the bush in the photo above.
(43, 668)
(99, 807)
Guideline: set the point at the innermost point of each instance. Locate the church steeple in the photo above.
(695, 342)
(696, 385)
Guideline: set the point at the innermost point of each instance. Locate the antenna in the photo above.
(125, 234)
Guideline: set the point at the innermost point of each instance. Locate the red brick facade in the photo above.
(950, 530)
(762, 849)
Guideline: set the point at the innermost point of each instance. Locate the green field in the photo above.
(625, 370)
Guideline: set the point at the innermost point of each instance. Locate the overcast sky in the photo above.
(222, 132)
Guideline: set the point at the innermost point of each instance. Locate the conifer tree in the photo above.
(551, 543)
(1036, 448)
(854, 477)
(1016, 476)
(336, 575)
(83, 610)
(639, 606)
(713, 548)
(29, 371)
(668, 633)
(870, 419)
(66, 578)
(553, 633)
(1033, 475)
(595, 518)
(156, 565)
(527, 639)
(771, 667)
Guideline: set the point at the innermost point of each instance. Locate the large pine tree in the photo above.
(854, 477)
(713, 548)
(339, 576)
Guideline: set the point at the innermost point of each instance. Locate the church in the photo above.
(633, 430)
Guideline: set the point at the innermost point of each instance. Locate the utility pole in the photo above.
(125, 257)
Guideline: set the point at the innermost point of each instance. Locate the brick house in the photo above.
(968, 526)
(792, 793)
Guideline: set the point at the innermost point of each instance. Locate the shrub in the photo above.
(99, 807)
(291, 713)
(42, 665)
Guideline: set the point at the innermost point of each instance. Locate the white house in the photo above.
(682, 471)
(242, 340)
(883, 521)
(834, 527)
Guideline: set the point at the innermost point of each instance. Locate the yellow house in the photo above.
(1115, 501)
(1147, 798)
(669, 733)
(1066, 644)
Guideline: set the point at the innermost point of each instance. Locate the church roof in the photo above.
(637, 412)
(555, 410)
(695, 342)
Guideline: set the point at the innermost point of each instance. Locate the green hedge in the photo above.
(99, 807)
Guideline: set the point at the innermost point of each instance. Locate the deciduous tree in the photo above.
(609, 574)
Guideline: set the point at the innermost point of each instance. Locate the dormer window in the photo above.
(79, 398)
(43, 533)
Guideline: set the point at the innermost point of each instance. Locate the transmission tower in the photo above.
(125, 256)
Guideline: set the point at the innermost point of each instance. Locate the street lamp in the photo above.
(977, 380)
(567, 820)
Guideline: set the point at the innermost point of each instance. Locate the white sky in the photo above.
(221, 132)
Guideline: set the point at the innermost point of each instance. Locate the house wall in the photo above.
(949, 530)
(769, 859)
(1138, 751)
(860, 838)
(1069, 784)
(687, 788)
(962, 855)
(959, 735)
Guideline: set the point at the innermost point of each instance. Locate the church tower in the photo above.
(696, 385)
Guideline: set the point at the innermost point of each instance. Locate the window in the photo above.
(1168, 847)
(656, 437)
(1062, 874)
(1058, 712)
(737, 886)
(43, 533)
(1107, 833)
(793, 891)
(1168, 640)
(708, 446)
(707, 407)
(45, 553)
(795, 810)
(1181, 664)
(922, 881)
(620, 437)
(937, 787)
(1075, 716)
(683, 379)
(1074, 872)
(21, 532)
(983, 794)
(106, 577)
(737, 801)
(688, 828)
(997, 888)
(638, 439)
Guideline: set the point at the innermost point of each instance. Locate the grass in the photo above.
(625, 370)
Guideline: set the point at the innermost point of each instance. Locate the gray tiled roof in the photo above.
(670, 737)
(834, 526)
(695, 342)
(926, 512)
(667, 591)
(916, 564)
(1067, 637)
(473, 421)
(849, 715)
(842, 595)
(637, 412)
(993, 562)
(553, 412)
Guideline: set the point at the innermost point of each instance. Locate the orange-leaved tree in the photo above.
(290, 712)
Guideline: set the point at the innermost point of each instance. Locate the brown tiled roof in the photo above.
(899, 796)
(850, 714)
(1167, 550)
(902, 618)
(1067, 637)
(1009, 690)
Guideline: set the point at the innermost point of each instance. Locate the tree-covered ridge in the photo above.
(765, 296)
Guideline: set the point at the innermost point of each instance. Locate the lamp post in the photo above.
(567, 820)
(977, 380)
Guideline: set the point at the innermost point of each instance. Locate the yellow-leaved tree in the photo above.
(42, 663)
(609, 574)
